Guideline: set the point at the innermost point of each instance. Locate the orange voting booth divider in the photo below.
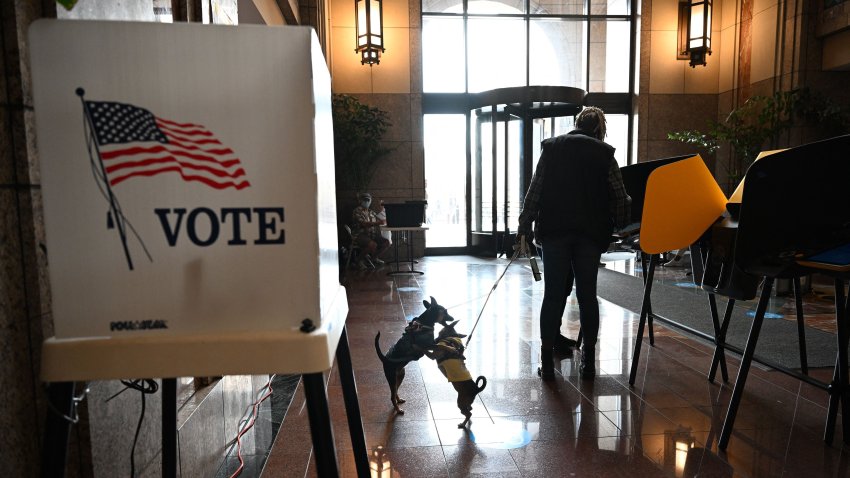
(682, 201)
(738, 194)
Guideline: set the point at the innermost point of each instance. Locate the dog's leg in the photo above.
(467, 421)
(399, 377)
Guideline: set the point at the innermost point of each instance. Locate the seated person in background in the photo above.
(367, 232)
(382, 216)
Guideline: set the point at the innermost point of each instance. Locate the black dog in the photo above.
(448, 353)
(418, 337)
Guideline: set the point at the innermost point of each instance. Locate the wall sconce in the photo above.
(369, 18)
(694, 31)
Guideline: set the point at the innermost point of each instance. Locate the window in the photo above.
(478, 45)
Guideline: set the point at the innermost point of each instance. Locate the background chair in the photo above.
(352, 247)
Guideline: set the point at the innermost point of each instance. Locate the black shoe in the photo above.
(587, 369)
(546, 371)
(564, 345)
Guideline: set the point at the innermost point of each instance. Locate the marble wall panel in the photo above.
(728, 10)
(724, 104)
(417, 164)
(789, 52)
(416, 119)
(7, 153)
(643, 151)
(392, 75)
(667, 74)
(23, 143)
(726, 59)
(762, 5)
(238, 395)
(415, 12)
(396, 13)
(703, 79)
(642, 116)
(668, 113)
(397, 107)
(18, 377)
(32, 171)
(347, 74)
(764, 40)
(394, 170)
(763, 87)
(645, 15)
(342, 15)
(113, 426)
(664, 15)
(657, 149)
(644, 52)
(34, 256)
(3, 62)
(415, 60)
(108, 10)
(202, 437)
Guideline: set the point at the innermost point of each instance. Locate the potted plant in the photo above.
(358, 131)
(762, 120)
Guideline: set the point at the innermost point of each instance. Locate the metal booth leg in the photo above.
(169, 428)
(352, 406)
(320, 424)
(60, 397)
(646, 275)
(720, 339)
(838, 388)
(644, 312)
(801, 326)
(746, 360)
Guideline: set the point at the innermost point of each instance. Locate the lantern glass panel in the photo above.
(361, 18)
(697, 30)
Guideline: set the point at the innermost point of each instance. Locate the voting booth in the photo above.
(189, 200)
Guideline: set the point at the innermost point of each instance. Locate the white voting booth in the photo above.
(189, 200)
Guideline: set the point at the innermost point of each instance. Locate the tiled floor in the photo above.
(666, 425)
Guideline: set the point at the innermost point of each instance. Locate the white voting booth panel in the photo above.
(189, 206)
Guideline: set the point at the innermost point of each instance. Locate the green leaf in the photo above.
(68, 4)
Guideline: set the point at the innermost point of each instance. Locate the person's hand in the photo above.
(518, 244)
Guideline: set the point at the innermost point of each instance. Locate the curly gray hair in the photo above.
(592, 120)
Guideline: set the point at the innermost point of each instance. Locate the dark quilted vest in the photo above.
(575, 188)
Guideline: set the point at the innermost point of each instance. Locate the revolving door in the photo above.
(507, 127)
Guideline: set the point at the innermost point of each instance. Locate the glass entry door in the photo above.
(497, 180)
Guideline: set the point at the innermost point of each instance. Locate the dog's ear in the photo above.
(426, 304)
(460, 336)
(450, 324)
(434, 301)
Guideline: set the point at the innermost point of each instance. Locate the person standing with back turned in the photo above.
(576, 199)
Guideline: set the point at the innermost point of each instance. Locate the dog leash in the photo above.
(517, 251)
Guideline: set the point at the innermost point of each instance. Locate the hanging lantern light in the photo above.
(369, 18)
(699, 31)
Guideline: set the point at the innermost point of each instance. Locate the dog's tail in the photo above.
(378, 348)
(479, 384)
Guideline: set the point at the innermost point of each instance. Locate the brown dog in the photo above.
(418, 337)
(448, 353)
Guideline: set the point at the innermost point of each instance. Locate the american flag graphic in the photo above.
(132, 142)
